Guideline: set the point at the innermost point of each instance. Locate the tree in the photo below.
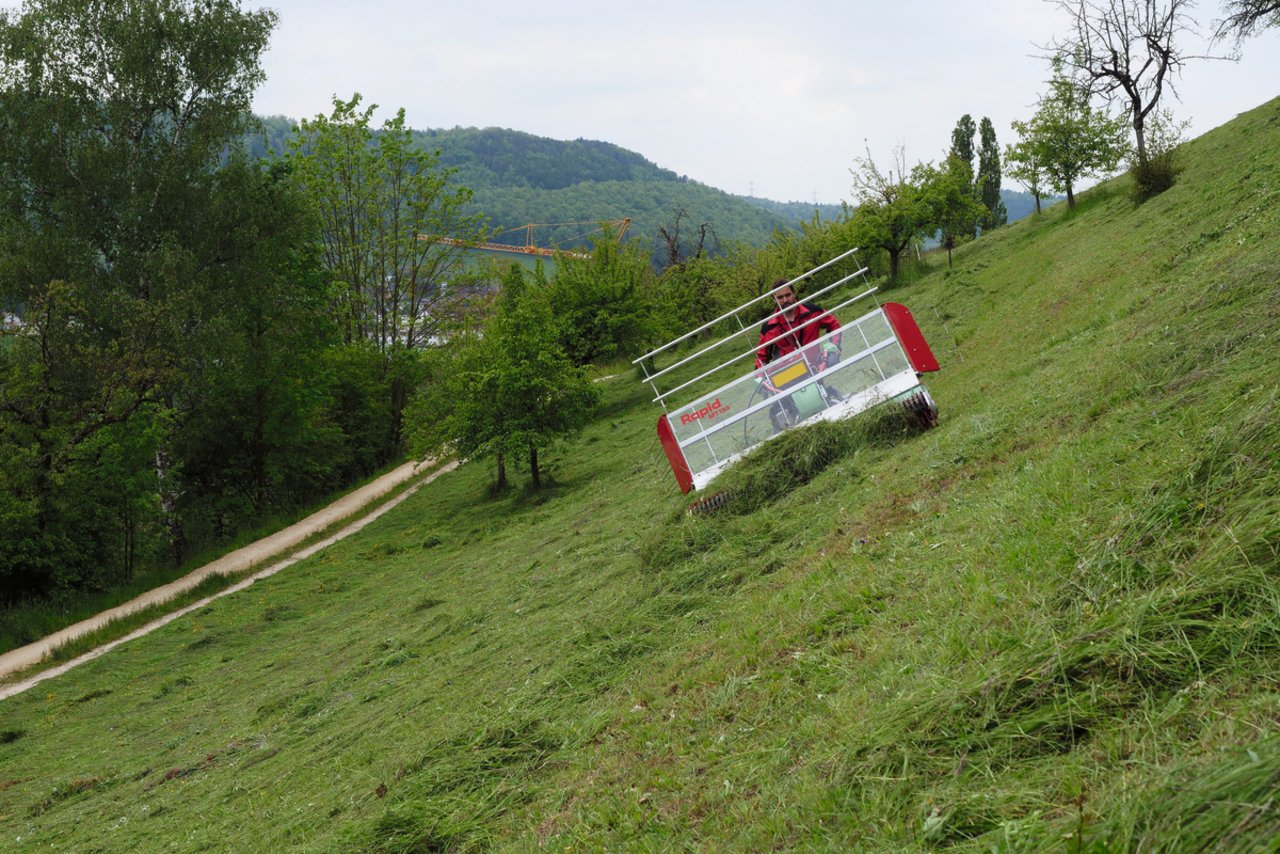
(1125, 50)
(547, 396)
(1068, 138)
(601, 302)
(988, 181)
(384, 206)
(960, 157)
(892, 212)
(510, 390)
(457, 408)
(383, 203)
(962, 141)
(948, 194)
(254, 429)
(113, 121)
(1245, 17)
(1022, 162)
(675, 251)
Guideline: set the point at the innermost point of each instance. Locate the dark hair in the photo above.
(780, 282)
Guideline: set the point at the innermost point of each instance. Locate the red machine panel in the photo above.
(674, 455)
(912, 340)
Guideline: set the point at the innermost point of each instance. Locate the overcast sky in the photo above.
(765, 97)
(770, 98)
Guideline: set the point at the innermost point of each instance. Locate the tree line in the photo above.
(516, 178)
(197, 352)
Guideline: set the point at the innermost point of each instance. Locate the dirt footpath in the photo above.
(233, 563)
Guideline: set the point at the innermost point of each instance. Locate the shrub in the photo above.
(1163, 163)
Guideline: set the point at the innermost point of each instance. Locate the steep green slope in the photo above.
(1051, 622)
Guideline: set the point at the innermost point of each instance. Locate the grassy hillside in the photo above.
(1050, 623)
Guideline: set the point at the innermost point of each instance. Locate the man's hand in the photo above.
(830, 355)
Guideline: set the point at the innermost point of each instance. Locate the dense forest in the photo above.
(797, 211)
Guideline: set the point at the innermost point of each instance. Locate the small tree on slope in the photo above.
(510, 389)
(1069, 139)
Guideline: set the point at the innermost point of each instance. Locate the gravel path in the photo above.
(235, 562)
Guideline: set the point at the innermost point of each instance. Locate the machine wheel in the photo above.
(709, 505)
(921, 409)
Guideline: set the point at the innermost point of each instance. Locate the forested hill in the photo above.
(494, 157)
(797, 211)
(521, 178)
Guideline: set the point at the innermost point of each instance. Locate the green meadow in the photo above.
(1050, 623)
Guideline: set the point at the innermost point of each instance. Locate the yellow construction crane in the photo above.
(529, 248)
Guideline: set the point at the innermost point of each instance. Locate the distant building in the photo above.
(10, 322)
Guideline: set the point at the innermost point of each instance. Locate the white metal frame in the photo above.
(899, 379)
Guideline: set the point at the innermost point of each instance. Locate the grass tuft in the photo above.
(67, 791)
(795, 458)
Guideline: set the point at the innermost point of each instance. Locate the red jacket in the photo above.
(779, 336)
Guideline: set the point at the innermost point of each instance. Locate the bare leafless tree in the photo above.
(1246, 17)
(1127, 51)
(676, 253)
(706, 232)
(671, 239)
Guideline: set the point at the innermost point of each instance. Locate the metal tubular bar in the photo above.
(666, 394)
(711, 323)
(734, 335)
(737, 417)
(783, 311)
(870, 350)
(886, 389)
(661, 397)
